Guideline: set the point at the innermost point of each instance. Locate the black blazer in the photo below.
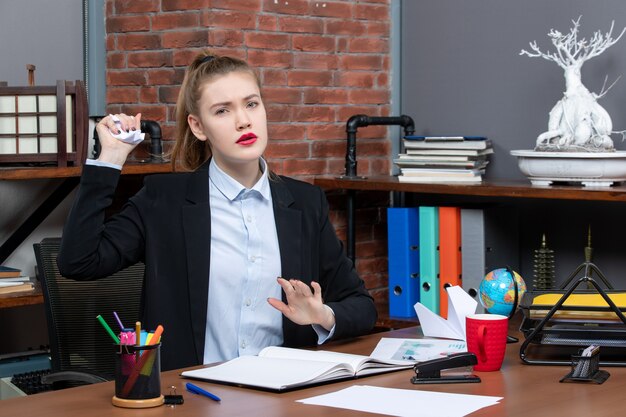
(167, 224)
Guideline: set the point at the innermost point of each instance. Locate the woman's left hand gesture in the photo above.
(304, 306)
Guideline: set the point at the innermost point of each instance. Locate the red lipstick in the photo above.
(247, 139)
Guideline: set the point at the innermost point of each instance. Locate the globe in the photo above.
(497, 291)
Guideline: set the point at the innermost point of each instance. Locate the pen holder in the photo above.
(138, 376)
(586, 369)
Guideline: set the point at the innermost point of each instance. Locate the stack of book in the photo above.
(444, 158)
(11, 280)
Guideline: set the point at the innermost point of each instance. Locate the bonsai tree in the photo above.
(577, 122)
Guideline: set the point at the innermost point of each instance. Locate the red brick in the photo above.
(344, 113)
(169, 94)
(281, 95)
(246, 5)
(326, 131)
(342, 45)
(372, 249)
(369, 96)
(299, 7)
(172, 5)
(273, 77)
(167, 21)
(267, 40)
(264, 58)
(116, 60)
(225, 37)
(382, 80)
(382, 29)
(228, 19)
(361, 62)
(149, 59)
(148, 95)
(135, 6)
(286, 131)
(125, 78)
(346, 27)
(313, 43)
(309, 78)
(355, 79)
(315, 61)
(278, 113)
(190, 39)
(325, 96)
(295, 166)
(117, 24)
(371, 12)
(165, 76)
(368, 45)
(326, 149)
(313, 113)
(156, 113)
(332, 9)
(301, 24)
(269, 23)
(135, 42)
(122, 95)
(288, 150)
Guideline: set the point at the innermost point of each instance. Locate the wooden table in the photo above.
(527, 390)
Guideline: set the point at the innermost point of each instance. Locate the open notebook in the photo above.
(279, 368)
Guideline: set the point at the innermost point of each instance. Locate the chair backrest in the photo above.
(78, 342)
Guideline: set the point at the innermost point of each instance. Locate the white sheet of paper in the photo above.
(416, 350)
(460, 305)
(403, 402)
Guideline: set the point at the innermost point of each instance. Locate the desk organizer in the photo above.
(586, 369)
(557, 323)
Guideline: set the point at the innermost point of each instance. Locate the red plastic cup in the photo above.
(486, 336)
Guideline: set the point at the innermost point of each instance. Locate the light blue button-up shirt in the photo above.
(245, 262)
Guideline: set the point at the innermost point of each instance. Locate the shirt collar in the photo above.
(231, 188)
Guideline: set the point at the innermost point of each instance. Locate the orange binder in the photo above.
(449, 254)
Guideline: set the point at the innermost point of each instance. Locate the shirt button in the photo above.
(252, 258)
(249, 219)
(243, 344)
(248, 302)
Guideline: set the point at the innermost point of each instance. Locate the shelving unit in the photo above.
(70, 179)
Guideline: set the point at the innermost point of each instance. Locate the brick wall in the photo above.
(319, 63)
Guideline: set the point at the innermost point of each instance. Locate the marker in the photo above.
(108, 329)
(138, 333)
(118, 320)
(197, 390)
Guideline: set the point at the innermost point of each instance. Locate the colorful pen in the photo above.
(118, 320)
(197, 390)
(108, 329)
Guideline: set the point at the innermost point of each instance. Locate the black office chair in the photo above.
(82, 352)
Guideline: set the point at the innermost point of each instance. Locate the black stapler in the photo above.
(429, 372)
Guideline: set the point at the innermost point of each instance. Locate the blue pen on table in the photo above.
(197, 390)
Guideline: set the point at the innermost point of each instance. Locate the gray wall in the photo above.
(48, 34)
(462, 73)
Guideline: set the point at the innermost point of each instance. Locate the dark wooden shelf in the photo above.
(29, 173)
(512, 189)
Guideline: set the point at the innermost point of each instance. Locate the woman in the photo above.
(217, 238)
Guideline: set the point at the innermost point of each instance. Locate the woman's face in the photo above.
(233, 119)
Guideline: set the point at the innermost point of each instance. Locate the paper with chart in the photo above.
(460, 305)
(417, 350)
(403, 402)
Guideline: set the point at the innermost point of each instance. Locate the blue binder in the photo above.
(403, 244)
(429, 257)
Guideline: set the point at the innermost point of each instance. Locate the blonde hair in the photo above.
(189, 152)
